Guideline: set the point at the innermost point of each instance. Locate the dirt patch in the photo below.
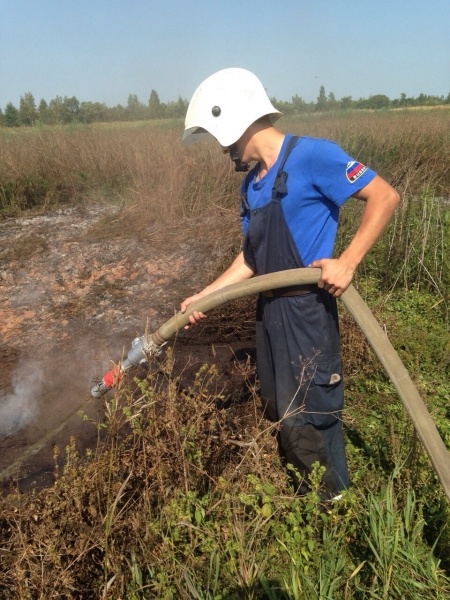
(76, 286)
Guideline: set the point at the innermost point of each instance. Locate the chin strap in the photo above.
(238, 164)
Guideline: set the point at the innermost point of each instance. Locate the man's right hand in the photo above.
(196, 316)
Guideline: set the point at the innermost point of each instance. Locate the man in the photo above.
(290, 209)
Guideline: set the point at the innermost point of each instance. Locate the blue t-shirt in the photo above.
(321, 177)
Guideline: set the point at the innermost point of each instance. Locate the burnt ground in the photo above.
(76, 286)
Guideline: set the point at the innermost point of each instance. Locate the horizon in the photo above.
(145, 103)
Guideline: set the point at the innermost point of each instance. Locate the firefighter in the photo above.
(290, 208)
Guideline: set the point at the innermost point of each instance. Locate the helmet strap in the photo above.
(238, 164)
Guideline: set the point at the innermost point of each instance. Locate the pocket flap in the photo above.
(328, 371)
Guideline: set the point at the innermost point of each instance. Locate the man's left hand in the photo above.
(336, 275)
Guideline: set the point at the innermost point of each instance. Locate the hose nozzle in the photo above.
(140, 351)
(109, 380)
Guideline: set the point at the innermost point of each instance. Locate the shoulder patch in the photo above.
(354, 170)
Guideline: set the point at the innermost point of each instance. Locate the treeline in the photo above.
(71, 110)
(328, 102)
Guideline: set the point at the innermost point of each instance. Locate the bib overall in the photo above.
(298, 350)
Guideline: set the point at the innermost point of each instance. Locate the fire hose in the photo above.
(151, 345)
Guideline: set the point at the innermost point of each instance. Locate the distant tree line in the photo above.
(60, 111)
(70, 110)
(328, 102)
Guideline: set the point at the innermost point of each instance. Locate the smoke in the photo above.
(19, 407)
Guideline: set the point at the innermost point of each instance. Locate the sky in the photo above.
(104, 50)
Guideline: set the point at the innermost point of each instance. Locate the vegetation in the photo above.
(197, 505)
(66, 110)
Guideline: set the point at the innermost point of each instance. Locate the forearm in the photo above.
(236, 272)
(381, 201)
(376, 216)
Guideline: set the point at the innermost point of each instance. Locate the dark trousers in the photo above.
(300, 375)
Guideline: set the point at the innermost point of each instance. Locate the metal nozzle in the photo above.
(139, 352)
(110, 379)
(99, 389)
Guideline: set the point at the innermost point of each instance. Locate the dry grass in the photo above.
(187, 499)
(166, 449)
(148, 167)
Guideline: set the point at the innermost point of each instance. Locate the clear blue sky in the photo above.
(104, 50)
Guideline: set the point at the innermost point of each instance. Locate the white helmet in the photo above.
(225, 105)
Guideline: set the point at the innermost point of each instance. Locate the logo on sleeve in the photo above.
(354, 170)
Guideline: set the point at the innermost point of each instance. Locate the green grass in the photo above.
(192, 506)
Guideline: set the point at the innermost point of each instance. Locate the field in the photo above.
(172, 486)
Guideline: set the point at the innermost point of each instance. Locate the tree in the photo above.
(284, 107)
(181, 107)
(177, 109)
(135, 109)
(361, 103)
(346, 102)
(378, 101)
(71, 109)
(11, 116)
(117, 113)
(57, 111)
(321, 103)
(93, 112)
(154, 106)
(27, 110)
(43, 111)
(427, 100)
(332, 103)
(298, 104)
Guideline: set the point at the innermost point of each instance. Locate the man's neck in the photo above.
(267, 145)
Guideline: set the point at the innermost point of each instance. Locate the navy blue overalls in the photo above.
(298, 350)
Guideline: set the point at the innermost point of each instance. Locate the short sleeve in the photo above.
(335, 174)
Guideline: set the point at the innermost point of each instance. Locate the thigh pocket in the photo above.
(325, 396)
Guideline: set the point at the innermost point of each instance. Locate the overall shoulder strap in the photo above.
(279, 186)
(244, 191)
